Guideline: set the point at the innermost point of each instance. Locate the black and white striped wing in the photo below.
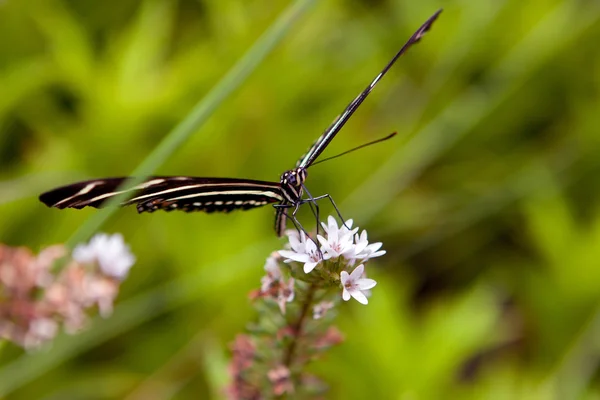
(321, 143)
(169, 193)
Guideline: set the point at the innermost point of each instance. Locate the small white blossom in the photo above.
(355, 285)
(273, 274)
(103, 293)
(303, 251)
(40, 331)
(110, 253)
(286, 294)
(272, 267)
(319, 310)
(332, 228)
(274, 285)
(364, 250)
(289, 233)
(339, 241)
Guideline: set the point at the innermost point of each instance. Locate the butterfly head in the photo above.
(294, 177)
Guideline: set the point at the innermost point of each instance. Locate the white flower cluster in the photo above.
(109, 252)
(338, 243)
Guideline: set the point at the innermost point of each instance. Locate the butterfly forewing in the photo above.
(169, 193)
(321, 143)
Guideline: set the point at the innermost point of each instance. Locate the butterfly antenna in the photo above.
(391, 135)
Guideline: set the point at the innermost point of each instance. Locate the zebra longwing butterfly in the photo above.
(221, 194)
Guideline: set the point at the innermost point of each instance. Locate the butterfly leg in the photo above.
(314, 207)
(297, 223)
(313, 200)
(335, 207)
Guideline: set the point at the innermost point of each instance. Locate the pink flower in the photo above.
(280, 378)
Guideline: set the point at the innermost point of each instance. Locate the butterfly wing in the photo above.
(323, 141)
(168, 193)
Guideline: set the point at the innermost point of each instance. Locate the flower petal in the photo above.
(377, 254)
(365, 284)
(309, 266)
(359, 296)
(295, 243)
(322, 240)
(345, 294)
(310, 247)
(292, 255)
(344, 276)
(357, 273)
(332, 222)
(375, 246)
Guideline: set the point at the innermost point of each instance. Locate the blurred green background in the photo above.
(486, 201)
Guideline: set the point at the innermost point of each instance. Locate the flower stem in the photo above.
(297, 327)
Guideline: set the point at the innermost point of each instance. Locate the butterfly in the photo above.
(223, 194)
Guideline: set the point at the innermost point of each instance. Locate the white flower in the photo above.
(40, 331)
(319, 310)
(303, 251)
(292, 232)
(102, 291)
(286, 294)
(339, 240)
(274, 286)
(354, 285)
(364, 250)
(110, 253)
(332, 228)
(272, 268)
(273, 274)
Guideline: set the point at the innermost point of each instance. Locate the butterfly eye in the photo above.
(292, 179)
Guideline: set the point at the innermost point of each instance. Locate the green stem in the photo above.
(297, 327)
